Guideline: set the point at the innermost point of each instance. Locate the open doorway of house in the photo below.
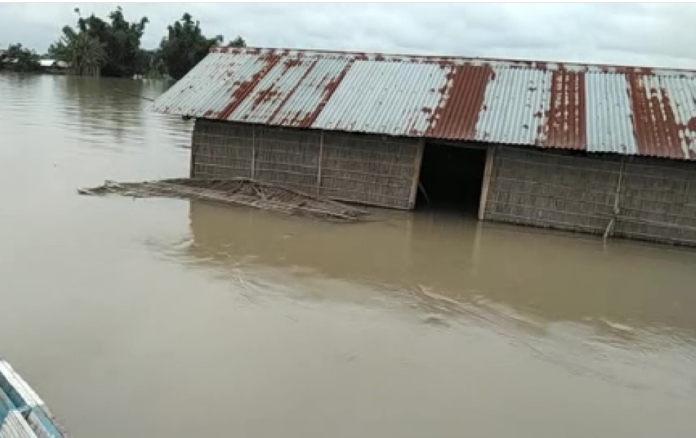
(451, 178)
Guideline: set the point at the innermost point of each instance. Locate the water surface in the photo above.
(148, 318)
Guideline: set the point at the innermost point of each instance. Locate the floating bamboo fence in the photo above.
(237, 191)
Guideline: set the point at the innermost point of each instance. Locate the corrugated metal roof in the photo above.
(608, 114)
(514, 107)
(625, 110)
(379, 97)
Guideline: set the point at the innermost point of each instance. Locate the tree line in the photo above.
(112, 48)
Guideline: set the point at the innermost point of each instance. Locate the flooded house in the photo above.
(53, 66)
(600, 149)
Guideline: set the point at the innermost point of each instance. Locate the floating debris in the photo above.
(239, 191)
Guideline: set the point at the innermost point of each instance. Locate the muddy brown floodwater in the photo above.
(156, 318)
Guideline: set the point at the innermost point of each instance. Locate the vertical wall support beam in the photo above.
(321, 159)
(609, 232)
(487, 173)
(253, 151)
(195, 138)
(416, 174)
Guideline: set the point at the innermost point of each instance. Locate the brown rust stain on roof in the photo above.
(691, 124)
(263, 96)
(460, 102)
(328, 91)
(292, 91)
(565, 125)
(290, 63)
(245, 88)
(272, 92)
(655, 126)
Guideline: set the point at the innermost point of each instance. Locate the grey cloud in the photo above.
(648, 34)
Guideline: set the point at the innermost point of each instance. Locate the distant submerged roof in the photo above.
(595, 108)
(52, 63)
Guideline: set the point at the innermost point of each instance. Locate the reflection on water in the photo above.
(551, 277)
(176, 318)
(542, 290)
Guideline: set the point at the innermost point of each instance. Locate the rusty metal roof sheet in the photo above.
(380, 97)
(624, 110)
(515, 104)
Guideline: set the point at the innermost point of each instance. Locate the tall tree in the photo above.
(84, 53)
(185, 45)
(150, 64)
(123, 44)
(119, 38)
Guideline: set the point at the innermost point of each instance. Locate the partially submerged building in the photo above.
(53, 65)
(598, 149)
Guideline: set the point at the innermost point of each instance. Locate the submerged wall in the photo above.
(633, 197)
(655, 199)
(366, 169)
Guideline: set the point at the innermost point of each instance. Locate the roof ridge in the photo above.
(512, 62)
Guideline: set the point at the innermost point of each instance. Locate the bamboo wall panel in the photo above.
(369, 169)
(288, 157)
(552, 190)
(351, 167)
(221, 150)
(657, 201)
(649, 199)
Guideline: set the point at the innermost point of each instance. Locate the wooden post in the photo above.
(194, 137)
(253, 151)
(321, 158)
(617, 197)
(416, 174)
(488, 171)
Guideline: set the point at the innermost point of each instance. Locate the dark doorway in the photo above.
(451, 177)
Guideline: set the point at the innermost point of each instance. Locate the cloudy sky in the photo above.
(640, 34)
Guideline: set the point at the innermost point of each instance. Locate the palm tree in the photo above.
(83, 53)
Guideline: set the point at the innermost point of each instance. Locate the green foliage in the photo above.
(237, 42)
(185, 45)
(84, 53)
(150, 64)
(112, 46)
(20, 59)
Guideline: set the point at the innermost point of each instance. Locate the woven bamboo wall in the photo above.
(656, 198)
(352, 167)
(221, 150)
(371, 170)
(658, 201)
